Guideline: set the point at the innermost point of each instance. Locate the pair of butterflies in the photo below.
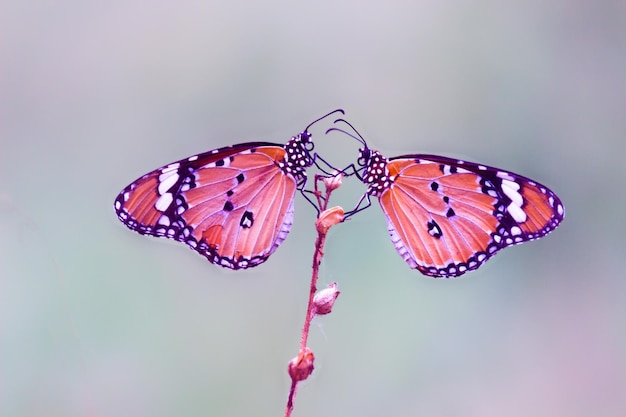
(235, 205)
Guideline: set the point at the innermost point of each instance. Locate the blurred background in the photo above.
(98, 321)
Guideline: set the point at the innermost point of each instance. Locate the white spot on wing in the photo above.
(170, 168)
(166, 181)
(516, 212)
(505, 175)
(511, 189)
(164, 202)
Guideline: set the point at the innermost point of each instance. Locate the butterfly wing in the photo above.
(447, 216)
(233, 205)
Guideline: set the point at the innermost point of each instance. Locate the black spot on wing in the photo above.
(434, 229)
(247, 219)
(447, 169)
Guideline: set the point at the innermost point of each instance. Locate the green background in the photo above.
(98, 321)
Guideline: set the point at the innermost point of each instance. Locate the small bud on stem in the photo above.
(301, 366)
(325, 299)
(332, 183)
(329, 218)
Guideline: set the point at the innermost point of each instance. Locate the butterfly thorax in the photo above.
(376, 174)
(298, 157)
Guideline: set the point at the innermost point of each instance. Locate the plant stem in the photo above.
(317, 259)
(310, 313)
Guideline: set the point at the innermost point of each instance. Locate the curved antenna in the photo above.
(358, 136)
(323, 117)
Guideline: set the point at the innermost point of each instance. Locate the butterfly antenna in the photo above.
(323, 117)
(356, 137)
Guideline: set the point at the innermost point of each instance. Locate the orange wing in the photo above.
(233, 205)
(244, 225)
(447, 217)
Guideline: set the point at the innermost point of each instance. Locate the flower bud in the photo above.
(329, 218)
(324, 300)
(334, 182)
(301, 366)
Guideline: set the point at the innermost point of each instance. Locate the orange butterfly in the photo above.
(447, 216)
(234, 205)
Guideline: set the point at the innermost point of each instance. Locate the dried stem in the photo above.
(302, 366)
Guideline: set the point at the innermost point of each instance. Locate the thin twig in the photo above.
(303, 363)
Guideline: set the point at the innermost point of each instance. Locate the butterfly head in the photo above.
(365, 155)
(374, 171)
(298, 155)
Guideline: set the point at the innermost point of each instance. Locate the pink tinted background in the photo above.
(98, 321)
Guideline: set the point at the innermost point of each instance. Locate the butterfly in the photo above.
(448, 216)
(234, 205)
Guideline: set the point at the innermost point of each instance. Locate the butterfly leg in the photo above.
(354, 172)
(308, 193)
(348, 171)
(319, 197)
(317, 158)
(333, 171)
(358, 208)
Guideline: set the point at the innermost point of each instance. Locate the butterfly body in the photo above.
(234, 205)
(447, 216)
